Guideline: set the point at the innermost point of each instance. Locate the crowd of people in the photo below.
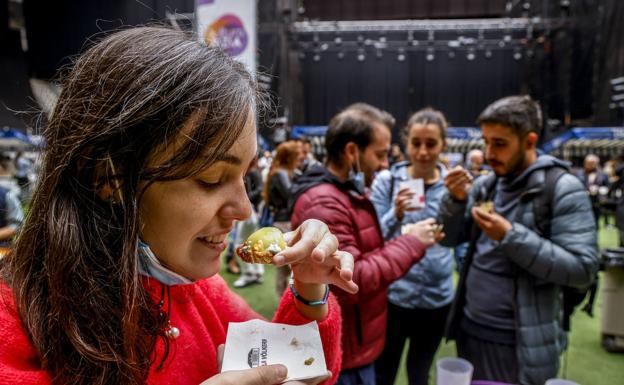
(514, 336)
(17, 174)
(152, 163)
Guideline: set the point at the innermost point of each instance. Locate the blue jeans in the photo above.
(364, 375)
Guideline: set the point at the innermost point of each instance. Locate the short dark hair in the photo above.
(354, 124)
(374, 113)
(519, 112)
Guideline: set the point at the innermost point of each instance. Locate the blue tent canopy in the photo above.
(587, 133)
(451, 132)
(307, 131)
(15, 140)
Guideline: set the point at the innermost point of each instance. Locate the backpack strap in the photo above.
(543, 202)
(543, 213)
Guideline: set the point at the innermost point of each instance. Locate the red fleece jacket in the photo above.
(201, 311)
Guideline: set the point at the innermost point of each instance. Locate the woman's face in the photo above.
(424, 145)
(186, 222)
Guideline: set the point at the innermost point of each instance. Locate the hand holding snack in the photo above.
(493, 225)
(312, 252)
(426, 231)
(314, 257)
(485, 206)
(458, 182)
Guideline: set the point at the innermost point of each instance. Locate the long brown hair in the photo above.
(74, 269)
(285, 155)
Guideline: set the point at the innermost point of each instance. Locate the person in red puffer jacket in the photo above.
(357, 143)
(114, 275)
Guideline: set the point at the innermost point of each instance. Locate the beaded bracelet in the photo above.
(319, 302)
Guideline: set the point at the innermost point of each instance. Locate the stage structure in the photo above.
(458, 66)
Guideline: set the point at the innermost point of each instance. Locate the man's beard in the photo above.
(516, 166)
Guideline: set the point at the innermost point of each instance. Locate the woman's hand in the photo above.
(402, 202)
(315, 259)
(262, 375)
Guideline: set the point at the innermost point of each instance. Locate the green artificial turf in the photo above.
(586, 362)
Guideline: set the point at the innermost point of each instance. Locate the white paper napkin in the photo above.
(257, 343)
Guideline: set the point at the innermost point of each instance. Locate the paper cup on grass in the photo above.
(453, 371)
(560, 381)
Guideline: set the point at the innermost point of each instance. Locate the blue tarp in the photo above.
(299, 131)
(452, 132)
(588, 133)
(12, 133)
(463, 133)
(468, 133)
(13, 139)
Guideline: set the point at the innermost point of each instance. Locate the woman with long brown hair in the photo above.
(288, 157)
(419, 302)
(113, 279)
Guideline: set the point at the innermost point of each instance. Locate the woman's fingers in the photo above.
(345, 264)
(342, 274)
(262, 375)
(304, 242)
(327, 246)
(336, 279)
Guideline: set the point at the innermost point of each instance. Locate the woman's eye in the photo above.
(208, 184)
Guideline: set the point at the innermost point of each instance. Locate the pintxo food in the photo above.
(486, 206)
(262, 245)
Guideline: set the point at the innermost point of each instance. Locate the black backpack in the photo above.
(542, 211)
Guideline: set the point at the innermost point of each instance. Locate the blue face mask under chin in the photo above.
(357, 177)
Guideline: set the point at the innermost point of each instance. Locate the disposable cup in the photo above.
(417, 187)
(453, 371)
(560, 381)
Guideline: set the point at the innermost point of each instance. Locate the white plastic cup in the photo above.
(453, 371)
(417, 187)
(560, 381)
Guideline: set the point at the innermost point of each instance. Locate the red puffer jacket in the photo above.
(352, 218)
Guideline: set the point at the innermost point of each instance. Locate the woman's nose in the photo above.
(238, 206)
